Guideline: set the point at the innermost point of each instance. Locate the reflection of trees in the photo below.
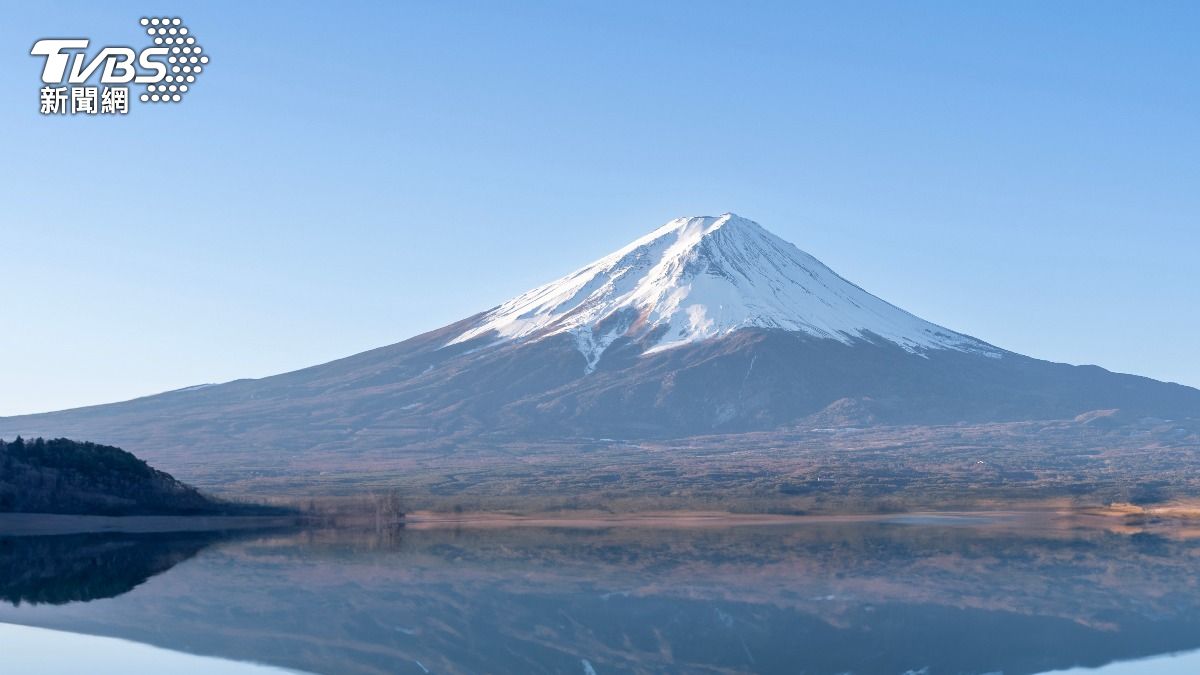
(77, 568)
(819, 598)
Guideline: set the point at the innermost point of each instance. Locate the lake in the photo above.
(907, 595)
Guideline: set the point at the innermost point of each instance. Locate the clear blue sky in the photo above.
(344, 176)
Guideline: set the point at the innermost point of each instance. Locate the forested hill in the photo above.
(65, 476)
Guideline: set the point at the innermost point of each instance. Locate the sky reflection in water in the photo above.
(816, 598)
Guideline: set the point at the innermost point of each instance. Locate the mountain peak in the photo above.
(694, 228)
(697, 278)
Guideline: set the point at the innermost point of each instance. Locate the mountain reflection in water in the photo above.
(814, 598)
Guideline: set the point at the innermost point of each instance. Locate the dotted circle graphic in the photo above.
(185, 62)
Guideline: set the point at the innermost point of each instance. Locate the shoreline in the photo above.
(46, 524)
(1113, 517)
(702, 519)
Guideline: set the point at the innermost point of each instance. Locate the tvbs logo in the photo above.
(168, 69)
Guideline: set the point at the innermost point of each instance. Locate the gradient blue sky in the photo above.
(344, 176)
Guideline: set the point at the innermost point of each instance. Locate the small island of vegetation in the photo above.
(62, 476)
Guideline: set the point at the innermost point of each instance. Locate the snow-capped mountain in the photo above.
(700, 278)
(704, 326)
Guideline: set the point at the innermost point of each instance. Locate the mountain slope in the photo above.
(695, 279)
(706, 325)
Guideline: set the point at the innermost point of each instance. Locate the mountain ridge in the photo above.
(697, 278)
(523, 372)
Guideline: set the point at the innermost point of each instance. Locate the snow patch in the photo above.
(591, 346)
(194, 387)
(696, 279)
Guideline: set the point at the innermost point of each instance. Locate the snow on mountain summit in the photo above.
(704, 277)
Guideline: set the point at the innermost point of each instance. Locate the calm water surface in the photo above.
(901, 597)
